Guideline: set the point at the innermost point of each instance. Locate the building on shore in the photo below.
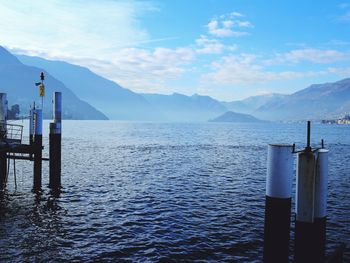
(344, 120)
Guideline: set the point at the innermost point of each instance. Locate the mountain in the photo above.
(231, 116)
(179, 107)
(113, 100)
(251, 104)
(17, 80)
(319, 101)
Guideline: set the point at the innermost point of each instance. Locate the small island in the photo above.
(231, 116)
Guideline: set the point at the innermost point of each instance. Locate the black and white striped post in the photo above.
(311, 195)
(55, 138)
(38, 142)
(278, 203)
(3, 131)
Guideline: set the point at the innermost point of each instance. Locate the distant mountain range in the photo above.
(122, 104)
(319, 101)
(17, 80)
(252, 104)
(107, 96)
(178, 107)
(90, 96)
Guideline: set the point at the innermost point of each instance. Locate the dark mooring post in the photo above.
(311, 195)
(278, 203)
(3, 131)
(55, 143)
(31, 125)
(38, 142)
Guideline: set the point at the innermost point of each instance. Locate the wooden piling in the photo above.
(55, 138)
(38, 149)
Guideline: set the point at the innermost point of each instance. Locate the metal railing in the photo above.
(11, 132)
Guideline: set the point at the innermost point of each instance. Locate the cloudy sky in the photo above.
(227, 49)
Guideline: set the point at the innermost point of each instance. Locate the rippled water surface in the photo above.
(157, 192)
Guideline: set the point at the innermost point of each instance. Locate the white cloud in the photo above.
(144, 70)
(318, 56)
(72, 28)
(343, 5)
(343, 72)
(233, 14)
(212, 46)
(345, 17)
(244, 69)
(228, 26)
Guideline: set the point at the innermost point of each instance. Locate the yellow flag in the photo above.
(42, 90)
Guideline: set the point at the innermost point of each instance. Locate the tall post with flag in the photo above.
(41, 89)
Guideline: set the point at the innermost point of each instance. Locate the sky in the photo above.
(227, 49)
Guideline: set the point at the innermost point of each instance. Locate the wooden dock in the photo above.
(13, 148)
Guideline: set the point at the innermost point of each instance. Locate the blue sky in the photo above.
(223, 48)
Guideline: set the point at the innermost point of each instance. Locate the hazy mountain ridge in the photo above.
(17, 80)
(251, 104)
(318, 101)
(179, 107)
(231, 116)
(109, 97)
(123, 104)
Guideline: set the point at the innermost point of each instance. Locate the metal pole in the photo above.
(278, 203)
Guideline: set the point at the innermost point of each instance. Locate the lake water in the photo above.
(161, 192)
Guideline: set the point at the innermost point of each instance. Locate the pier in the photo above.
(12, 146)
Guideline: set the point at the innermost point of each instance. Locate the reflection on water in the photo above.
(160, 193)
